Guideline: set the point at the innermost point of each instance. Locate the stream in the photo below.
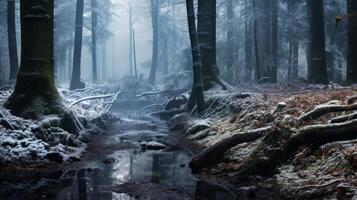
(131, 161)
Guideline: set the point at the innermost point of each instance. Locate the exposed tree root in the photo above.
(325, 109)
(344, 118)
(280, 146)
(213, 154)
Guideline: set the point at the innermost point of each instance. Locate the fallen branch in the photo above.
(213, 154)
(169, 92)
(94, 97)
(325, 109)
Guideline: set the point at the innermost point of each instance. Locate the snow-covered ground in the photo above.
(25, 142)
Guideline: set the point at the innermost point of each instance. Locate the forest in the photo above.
(178, 99)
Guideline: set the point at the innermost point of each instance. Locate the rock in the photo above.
(54, 157)
(153, 145)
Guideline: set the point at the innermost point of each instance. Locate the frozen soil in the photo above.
(328, 172)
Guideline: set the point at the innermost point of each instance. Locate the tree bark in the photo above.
(248, 44)
(206, 31)
(352, 41)
(134, 50)
(256, 50)
(76, 82)
(130, 39)
(230, 42)
(155, 40)
(35, 93)
(197, 96)
(11, 30)
(317, 70)
(94, 40)
(274, 45)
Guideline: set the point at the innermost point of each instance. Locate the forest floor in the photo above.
(326, 172)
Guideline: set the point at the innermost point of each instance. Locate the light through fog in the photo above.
(117, 47)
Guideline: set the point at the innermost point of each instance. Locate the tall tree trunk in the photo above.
(248, 43)
(352, 41)
(104, 66)
(35, 93)
(76, 82)
(230, 41)
(293, 44)
(155, 41)
(11, 30)
(134, 50)
(256, 50)
(197, 96)
(165, 53)
(274, 45)
(130, 39)
(206, 30)
(317, 70)
(94, 40)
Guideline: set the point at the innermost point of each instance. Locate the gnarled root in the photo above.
(213, 154)
(281, 145)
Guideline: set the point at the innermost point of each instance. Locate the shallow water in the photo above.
(129, 166)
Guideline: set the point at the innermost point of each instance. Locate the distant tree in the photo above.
(293, 41)
(258, 73)
(76, 82)
(317, 70)
(131, 63)
(35, 93)
(94, 39)
(155, 46)
(248, 42)
(197, 96)
(230, 41)
(352, 41)
(11, 29)
(274, 40)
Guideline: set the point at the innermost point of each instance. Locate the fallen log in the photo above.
(280, 146)
(325, 109)
(213, 154)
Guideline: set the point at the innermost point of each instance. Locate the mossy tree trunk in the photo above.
(35, 93)
(76, 82)
(11, 31)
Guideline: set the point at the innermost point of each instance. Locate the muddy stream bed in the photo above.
(133, 160)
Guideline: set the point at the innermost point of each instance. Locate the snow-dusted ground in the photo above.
(33, 142)
(328, 172)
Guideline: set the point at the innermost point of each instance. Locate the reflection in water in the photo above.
(133, 174)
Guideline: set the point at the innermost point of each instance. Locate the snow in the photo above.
(41, 141)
